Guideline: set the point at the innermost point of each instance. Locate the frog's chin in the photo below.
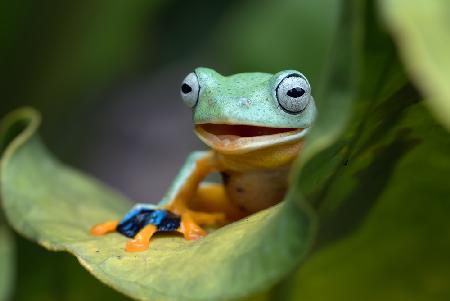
(239, 138)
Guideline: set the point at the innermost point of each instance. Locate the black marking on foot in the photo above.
(164, 220)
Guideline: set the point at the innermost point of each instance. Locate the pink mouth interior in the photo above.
(233, 132)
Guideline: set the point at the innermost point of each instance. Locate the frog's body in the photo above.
(254, 124)
(256, 190)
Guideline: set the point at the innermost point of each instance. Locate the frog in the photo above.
(255, 125)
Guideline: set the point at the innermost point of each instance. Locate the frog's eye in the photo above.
(190, 90)
(293, 93)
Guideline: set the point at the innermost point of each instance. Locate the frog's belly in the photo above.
(256, 190)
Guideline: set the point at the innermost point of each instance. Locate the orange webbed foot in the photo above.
(104, 228)
(141, 241)
(191, 221)
(190, 229)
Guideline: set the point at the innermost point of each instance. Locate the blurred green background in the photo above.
(105, 74)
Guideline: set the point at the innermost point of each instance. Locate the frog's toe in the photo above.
(104, 228)
(141, 241)
(137, 246)
(190, 229)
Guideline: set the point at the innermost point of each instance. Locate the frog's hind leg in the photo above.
(190, 229)
(210, 206)
(187, 190)
(212, 198)
(104, 228)
(141, 241)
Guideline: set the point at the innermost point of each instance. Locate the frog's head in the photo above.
(248, 111)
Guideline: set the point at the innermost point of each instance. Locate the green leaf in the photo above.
(380, 189)
(401, 250)
(422, 32)
(56, 206)
(7, 261)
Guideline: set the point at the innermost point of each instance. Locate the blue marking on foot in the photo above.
(136, 219)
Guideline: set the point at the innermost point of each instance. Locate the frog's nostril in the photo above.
(244, 102)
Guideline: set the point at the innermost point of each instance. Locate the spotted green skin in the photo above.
(246, 98)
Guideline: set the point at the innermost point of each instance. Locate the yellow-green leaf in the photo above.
(56, 206)
(422, 32)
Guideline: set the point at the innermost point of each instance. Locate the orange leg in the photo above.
(205, 218)
(181, 203)
(190, 229)
(191, 220)
(212, 197)
(210, 206)
(104, 228)
(204, 205)
(141, 241)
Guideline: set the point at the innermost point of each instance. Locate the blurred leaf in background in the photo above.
(421, 30)
(390, 185)
(7, 262)
(43, 275)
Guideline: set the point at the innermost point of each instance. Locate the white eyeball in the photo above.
(293, 93)
(190, 89)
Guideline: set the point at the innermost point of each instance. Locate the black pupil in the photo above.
(185, 88)
(295, 92)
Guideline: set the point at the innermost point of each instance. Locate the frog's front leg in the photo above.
(173, 213)
(184, 189)
(142, 239)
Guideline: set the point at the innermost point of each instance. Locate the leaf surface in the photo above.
(56, 206)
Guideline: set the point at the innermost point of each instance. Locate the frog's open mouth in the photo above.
(240, 137)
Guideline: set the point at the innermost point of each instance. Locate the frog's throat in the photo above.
(235, 139)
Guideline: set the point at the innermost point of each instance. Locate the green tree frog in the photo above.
(255, 125)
